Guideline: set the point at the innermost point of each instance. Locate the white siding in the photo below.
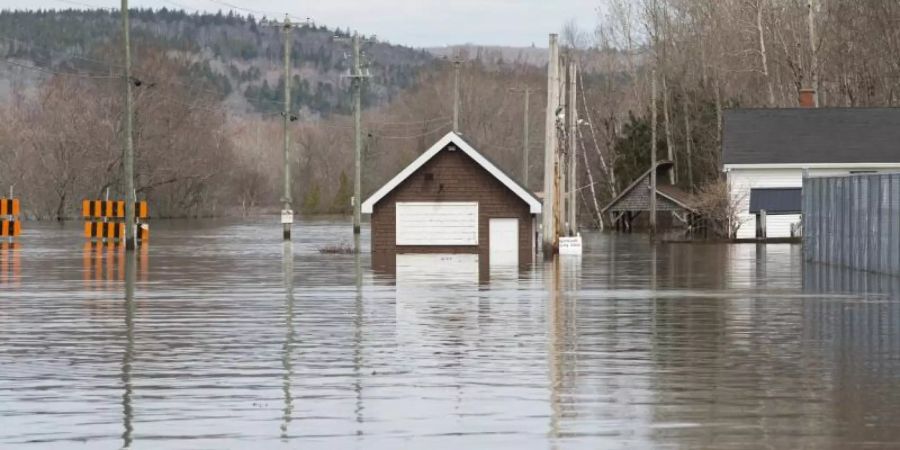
(437, 223)
(742, 180)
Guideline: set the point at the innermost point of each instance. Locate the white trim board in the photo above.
(896, 165)
(533, 203)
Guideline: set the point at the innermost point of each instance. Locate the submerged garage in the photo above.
(453, 200)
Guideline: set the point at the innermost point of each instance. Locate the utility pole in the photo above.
(526, 133)
(128, 157)
(653, 158)
(525, 138)
(456, 63)
(357, 122)
(814, 51)
(287, 212)
(548, 216)
(572, 115)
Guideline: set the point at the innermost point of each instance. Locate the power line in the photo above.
(414, 136)
(54, 72)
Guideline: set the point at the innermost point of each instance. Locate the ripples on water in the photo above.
(226, 343)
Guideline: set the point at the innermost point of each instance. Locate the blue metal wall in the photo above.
(853, 221)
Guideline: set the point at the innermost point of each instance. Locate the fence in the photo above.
(853, 221)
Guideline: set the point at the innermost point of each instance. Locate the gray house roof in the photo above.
(811, 135)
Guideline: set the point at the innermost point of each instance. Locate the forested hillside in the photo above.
(241, 58)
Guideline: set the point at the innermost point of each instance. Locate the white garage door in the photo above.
(504, 242)
(437, 223)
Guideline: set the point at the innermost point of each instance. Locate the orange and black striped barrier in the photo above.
(10, 226)
(105, 220)
(112, 209)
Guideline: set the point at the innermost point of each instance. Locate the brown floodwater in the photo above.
(217, 335)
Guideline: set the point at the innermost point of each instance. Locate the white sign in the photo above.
(287, 216)
(570, 245)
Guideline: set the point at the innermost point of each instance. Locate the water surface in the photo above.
(217, 335)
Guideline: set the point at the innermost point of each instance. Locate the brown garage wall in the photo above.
(456, 178)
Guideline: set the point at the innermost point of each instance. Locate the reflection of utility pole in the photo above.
(128, 157)
(128, 353)
(653, 157)
(286, 361)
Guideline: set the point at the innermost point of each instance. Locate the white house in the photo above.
(766, 151)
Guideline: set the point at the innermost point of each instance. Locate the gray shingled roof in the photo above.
(811, 135)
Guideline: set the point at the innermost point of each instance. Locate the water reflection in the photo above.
(358, 337)
(287, 351)
(631, 346)
(10, 264)
(862, 337)
(128, 353)
(103, 264)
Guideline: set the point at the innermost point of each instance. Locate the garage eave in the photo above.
(534, 204)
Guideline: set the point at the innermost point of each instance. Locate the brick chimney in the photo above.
(807, 98)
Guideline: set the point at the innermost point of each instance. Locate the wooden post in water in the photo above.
(128, 151)
(548, 215)
(572, 115)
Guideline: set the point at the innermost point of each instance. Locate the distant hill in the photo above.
(241, 57)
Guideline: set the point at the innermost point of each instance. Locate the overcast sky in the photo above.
(419, 23)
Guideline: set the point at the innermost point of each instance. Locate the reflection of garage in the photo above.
(453, 200)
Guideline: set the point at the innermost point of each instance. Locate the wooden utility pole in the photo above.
(456, 63)
(572, 116)
(287, 209)
(814, 52)
(357, 123)
(653, 158)
(548, 216)
(526, 136)
(128, 157)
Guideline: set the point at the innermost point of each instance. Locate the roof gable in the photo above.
(460, 143)
(811, 136)
(677, 197)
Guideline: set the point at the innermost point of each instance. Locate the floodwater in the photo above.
(219, 336)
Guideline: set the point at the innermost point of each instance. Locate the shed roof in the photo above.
(673, 193)
(811, 136)
(452, 138)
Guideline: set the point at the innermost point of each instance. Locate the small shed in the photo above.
(635, 199)
(452, 199)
